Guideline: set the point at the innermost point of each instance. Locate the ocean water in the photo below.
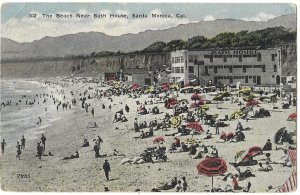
(21, 119)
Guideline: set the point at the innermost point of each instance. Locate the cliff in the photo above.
(96, 66)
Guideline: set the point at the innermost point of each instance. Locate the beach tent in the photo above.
(212, 167)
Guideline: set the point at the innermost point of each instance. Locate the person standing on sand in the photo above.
(43, 138)
(39, 150)
(96, 149)
(18, 151)
(23, 140)
(109, 107)
(99, 140)
(93, 112)
(3, 146)
(106, 168)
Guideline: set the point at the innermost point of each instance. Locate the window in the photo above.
(191, 58)
(225, 58)
(173, 60)
(177, 69)
(244, 69)
(181, 69)
(250, 77)
(206, 70)
(240, 58)
(230, 69)
(246, 79)
(181, 59)
(230, 80)
(191, 69)
(275, 68)
(254, 79)
(263, 68)
(173, 70)
(211, 59)
(215, 69)
(258, 57)
(273, 76)
(273, 57)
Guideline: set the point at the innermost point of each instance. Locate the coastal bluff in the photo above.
(81, 66)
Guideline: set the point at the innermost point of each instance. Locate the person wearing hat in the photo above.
(267, 146)
(106, 168)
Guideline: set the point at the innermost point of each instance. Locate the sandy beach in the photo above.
(65, 131)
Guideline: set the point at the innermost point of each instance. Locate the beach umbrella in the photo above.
(175, 121)
(292, 116)
(212, 167)
(134, 86)
(226, 135)
(236, 115)
(278, 135)
(204, 107)
(254, 150)
(239, 155)
(251, 103)
(245, 91)
(158, 139)
(165, 86)
(195, 126)
(195, 97)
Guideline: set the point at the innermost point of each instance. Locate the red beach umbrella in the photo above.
(195, 97)
(212, 167)
(165, 86)
(251, 103)
(254, 150)
(293, 116)
(134, 86)
(158, 139)
(195, 126)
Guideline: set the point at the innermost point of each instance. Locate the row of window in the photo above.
(258, 56)
(181, 69)
(231, 78)
(263, 68)
(178, 59)
(193, 58)
(175, 79)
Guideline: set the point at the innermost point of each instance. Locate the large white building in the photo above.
(249, 67)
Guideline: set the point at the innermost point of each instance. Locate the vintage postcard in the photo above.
(148, 97)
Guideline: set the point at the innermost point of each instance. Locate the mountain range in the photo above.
(86, 43)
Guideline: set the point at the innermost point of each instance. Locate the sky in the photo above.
(18, 26)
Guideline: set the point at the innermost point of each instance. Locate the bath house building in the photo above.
(224, 66)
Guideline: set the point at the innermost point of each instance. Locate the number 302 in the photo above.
(32, 15)
(23, 176)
